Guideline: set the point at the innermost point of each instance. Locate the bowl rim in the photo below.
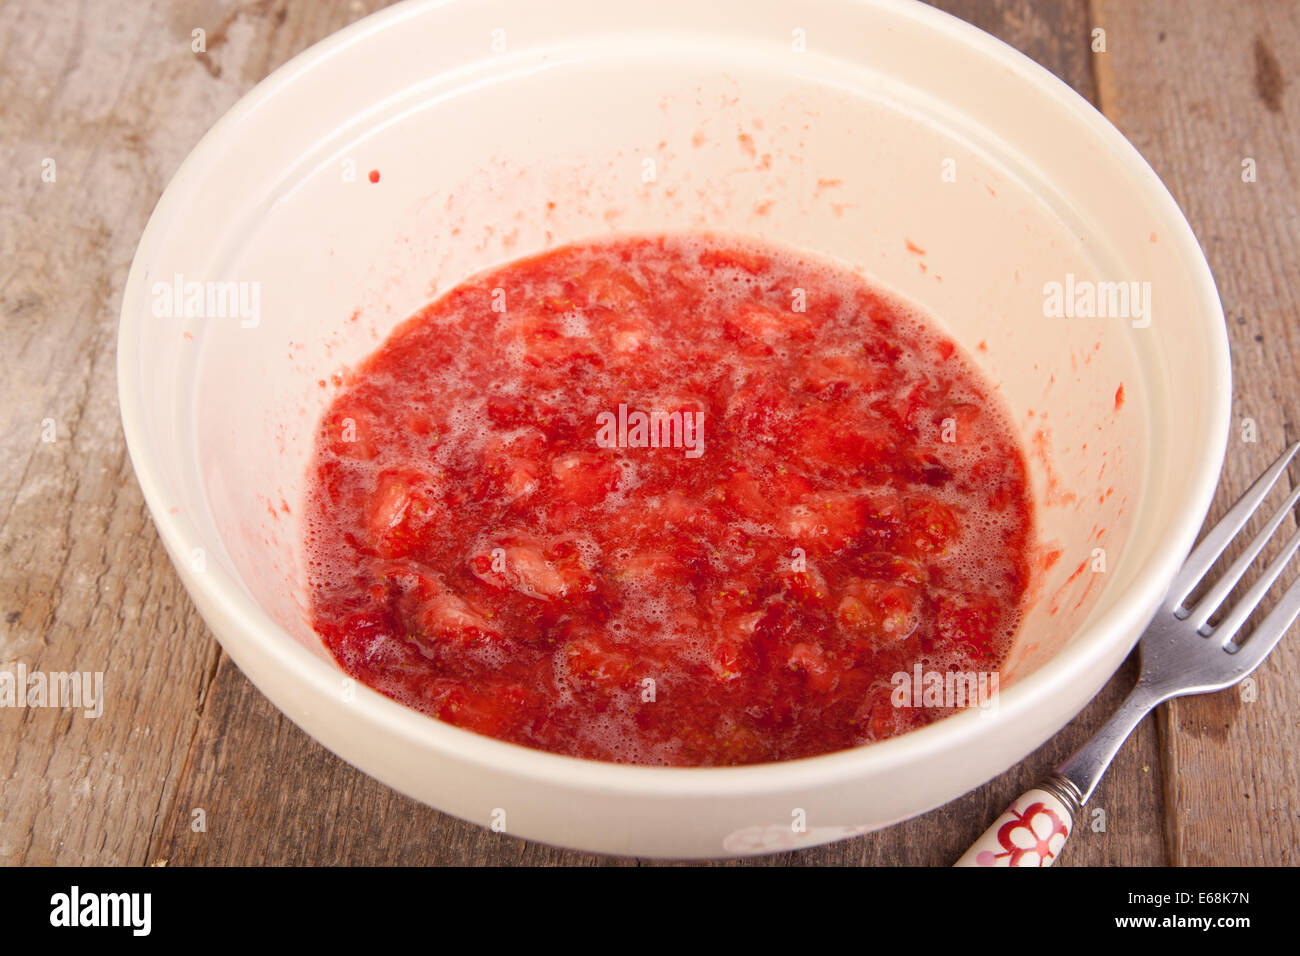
(380, 714)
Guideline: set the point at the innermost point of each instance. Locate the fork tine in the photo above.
(1271, 630)
(1212, 545)
(1210, 601)
(1229, 626)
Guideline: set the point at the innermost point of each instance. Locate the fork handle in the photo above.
(1033, 830)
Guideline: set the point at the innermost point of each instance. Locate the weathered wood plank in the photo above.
(84, 584)
(1199, 88)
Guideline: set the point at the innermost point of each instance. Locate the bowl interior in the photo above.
(965, 189)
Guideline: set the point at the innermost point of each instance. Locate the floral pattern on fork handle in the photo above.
(1030, 833)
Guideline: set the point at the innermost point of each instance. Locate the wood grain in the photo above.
(117, 98)
(84, 583)
(1198, 88)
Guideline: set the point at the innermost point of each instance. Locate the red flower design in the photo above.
(1032, 837)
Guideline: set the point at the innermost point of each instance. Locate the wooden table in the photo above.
(113, 94)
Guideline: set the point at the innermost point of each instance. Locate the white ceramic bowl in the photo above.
(499, 128)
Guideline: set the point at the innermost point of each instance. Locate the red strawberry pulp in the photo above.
(826, 495)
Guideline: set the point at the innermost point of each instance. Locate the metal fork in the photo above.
(1181, 654)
